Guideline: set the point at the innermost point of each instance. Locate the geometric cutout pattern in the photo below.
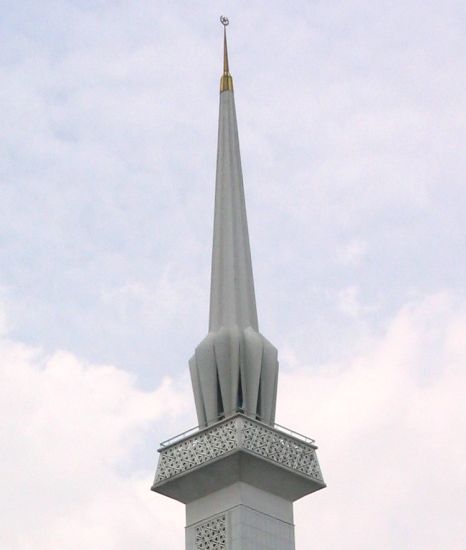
(211, 535)
(236, 433)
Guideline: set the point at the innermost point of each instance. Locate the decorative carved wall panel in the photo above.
(211, 535)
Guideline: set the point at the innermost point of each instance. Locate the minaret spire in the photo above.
(234, 368)
(232, 298)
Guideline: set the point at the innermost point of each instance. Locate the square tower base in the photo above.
(240, 517)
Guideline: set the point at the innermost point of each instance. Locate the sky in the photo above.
(352, 128)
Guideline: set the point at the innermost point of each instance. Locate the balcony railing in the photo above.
(197, 429)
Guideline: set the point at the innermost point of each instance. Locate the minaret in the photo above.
(238, 473)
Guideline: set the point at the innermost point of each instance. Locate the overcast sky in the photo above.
(353, 136)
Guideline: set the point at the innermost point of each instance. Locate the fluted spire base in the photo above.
(234, 370)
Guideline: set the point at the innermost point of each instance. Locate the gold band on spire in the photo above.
(226, 82)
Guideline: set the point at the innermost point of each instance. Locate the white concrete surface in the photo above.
(234, 367)
(240, 517)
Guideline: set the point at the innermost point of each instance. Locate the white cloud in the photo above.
(69, 433)
(390, 423)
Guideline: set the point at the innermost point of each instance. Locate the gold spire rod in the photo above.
(226, 69)
(226, 82)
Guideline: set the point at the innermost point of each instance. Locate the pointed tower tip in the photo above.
(226, 82)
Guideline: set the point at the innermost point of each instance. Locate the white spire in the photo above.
(232, 299)
(234, 368)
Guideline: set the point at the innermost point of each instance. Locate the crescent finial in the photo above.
(226, 82)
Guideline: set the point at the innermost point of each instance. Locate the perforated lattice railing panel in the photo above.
(238, 433)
